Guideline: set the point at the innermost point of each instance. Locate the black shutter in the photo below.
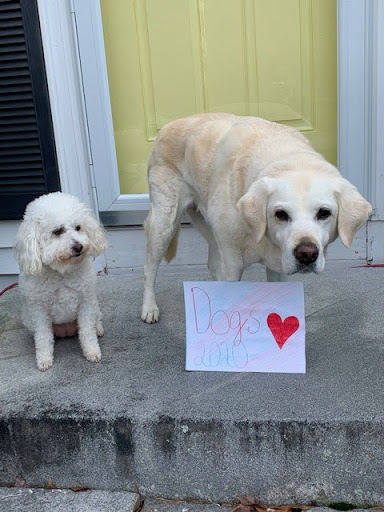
(28, 164)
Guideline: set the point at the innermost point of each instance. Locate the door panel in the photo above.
(270, 58)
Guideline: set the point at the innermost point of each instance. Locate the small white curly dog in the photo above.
(57, 280)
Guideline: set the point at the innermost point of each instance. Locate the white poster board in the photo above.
(245, 327)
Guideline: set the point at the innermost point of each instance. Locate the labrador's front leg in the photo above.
(231, 265)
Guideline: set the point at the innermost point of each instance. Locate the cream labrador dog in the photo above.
(256, 190)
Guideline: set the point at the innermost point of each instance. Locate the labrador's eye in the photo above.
(323, 214)
(282, 215)
(78, 228)
(58, 231)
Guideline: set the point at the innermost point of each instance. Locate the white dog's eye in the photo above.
(323, 214)
(58, 231)
(78, 228)
(282, 215)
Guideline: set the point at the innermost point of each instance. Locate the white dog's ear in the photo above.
(96, 234)
(253, 207)
(354, 211)
(27, 247)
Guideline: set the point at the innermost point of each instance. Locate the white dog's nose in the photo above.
(306, 253)
(77, 248)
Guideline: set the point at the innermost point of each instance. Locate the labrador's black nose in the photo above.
(77, 248)
(306, 253)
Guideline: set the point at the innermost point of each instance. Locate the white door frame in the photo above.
(90, 40)
(78, 84)
(361, 97)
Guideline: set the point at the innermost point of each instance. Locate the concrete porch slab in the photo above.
(139, 421)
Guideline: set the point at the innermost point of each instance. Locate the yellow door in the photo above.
(171, 58)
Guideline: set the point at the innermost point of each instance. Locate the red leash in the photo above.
(377, 265)
(16, 284)
(8, 288)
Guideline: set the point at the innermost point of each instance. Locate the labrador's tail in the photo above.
(170, 253)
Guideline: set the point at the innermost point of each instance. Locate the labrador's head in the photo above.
(303, 212)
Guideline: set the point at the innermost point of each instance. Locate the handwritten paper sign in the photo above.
(245, 327)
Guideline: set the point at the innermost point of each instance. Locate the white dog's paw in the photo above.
(93, 355)
(99, 329)
(150, 315)
(44, 362)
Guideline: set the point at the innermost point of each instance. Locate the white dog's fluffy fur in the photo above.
(57, 280)
(256, 190)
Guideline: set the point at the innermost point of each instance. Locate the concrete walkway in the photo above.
(138, 421)
(65, 500)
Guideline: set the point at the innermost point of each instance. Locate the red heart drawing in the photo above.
(282, 330)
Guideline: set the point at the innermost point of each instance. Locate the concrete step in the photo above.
(138, 421)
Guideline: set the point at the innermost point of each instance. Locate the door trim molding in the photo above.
(361, 97)
(376, 113)
(90, 44)
(66, 99)
(352, 80)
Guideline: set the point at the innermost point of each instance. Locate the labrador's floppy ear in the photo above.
(354, 211)
(253, 207)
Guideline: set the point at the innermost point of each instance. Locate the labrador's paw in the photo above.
(150, 315)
